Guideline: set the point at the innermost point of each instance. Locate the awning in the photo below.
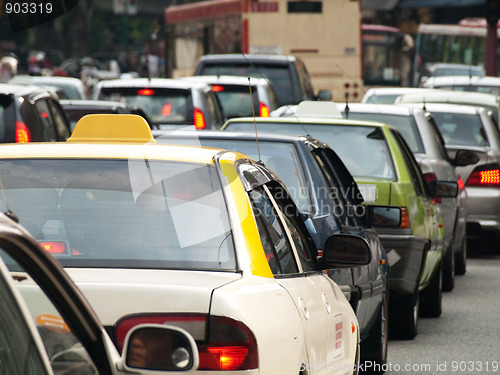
(440, 3)
(379, 4)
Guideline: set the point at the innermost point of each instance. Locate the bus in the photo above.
(386, 56)
(325, 35)
(463, 43)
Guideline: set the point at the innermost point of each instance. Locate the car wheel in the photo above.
(431, 297)
(449, 269)
(374, 348)
(404, 321)
(461, 259)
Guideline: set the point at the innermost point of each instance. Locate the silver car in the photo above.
(166, 102)
(473, 128)
(424, 140)
(234, 94)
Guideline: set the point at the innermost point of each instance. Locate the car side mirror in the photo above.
(465, 157)
(324, 95)
(443, 189)
(345, 251)
(159, 347)
(383, 216)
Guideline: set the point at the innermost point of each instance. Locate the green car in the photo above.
(387, 174)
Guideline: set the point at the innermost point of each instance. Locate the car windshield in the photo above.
(461, 129)
(406, 125)
(370, 158)
(279, 76)
(162, 106)
(122, 213)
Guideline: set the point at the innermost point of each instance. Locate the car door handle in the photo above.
(328, 307)
(303, 308)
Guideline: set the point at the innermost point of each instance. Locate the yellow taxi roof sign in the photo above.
(112, 128)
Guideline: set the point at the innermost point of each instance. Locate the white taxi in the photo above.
(199, 238)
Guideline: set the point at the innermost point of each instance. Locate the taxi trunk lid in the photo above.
(114, 293)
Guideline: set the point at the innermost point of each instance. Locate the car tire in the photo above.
(461, 259)
(449, 269)
(374, 348)
(404, 321)
(431, 296)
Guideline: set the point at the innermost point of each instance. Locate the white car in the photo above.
(201, 238)
(167, 102)
(234, 94)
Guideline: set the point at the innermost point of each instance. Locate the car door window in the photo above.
(267, 202)
(416, 176)
(272, 234)
(59, 121)
(18, 349)
(46, 119)
(66, 353)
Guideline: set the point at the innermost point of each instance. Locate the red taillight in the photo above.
(485, 176)
(224, 344)
(22, 133)
(45, 115)
(217, 88)
(264, 110)
(54, 247)
(231, 346)
(145, 92)
(432, 177)
(199, 119)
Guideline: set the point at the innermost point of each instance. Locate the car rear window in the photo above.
(370, 158)
(75, 114)
(281, 157)
(406, 125)
(236, 100)
(122, 213)
(461, 129)
(278, 75)
(162, 106)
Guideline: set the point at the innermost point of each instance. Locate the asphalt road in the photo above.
(465, 339)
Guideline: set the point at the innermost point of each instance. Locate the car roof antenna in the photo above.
(254, 121)
(346, 109)
(10, 214)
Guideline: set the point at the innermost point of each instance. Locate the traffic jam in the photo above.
(238, 219)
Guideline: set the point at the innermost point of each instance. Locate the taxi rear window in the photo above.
(122, 213)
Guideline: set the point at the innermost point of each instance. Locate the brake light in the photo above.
(485, 176)
(23, 134)
(217, 88)
(199, 119)
(432, 177)
(405, 219)
(145, 92)
(166, 110)
(226, 345)
(263, 110)
(54, 247)
(45, 115)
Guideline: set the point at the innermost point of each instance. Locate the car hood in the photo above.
(117, 292)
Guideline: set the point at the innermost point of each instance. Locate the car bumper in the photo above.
(406, 254)
(483, 208)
